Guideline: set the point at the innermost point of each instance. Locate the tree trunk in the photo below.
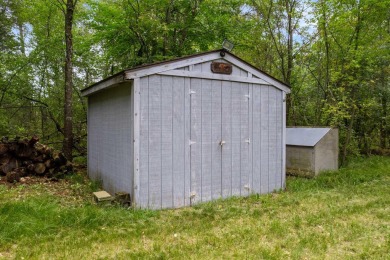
(68, 115)
(21, 38)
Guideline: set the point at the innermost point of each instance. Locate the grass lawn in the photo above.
(339, 215)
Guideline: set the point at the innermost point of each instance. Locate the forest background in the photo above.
(335, 55)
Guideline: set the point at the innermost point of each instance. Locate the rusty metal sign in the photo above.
(221, 68)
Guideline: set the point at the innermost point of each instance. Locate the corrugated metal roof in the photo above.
(305, 136)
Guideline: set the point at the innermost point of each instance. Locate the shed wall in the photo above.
(300, 159)
(110, 143)
(181, 159)
(326, 152)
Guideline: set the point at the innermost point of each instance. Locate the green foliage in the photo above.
(335, 55)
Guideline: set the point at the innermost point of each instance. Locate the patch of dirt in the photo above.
(68, 190)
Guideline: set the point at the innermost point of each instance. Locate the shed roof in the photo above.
(160, 67)
(301, 136)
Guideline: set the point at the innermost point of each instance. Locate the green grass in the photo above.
(339, 215)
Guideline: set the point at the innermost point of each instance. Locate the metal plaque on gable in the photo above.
(221, 68)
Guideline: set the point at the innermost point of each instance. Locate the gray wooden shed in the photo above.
(311, 150)
(189, 130)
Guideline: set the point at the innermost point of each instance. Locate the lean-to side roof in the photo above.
(300, 136)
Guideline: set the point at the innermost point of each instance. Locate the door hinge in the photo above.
(248, 141)
(191, 142)
(192, 92)
(248, 96)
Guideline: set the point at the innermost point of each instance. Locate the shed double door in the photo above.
(219, 139)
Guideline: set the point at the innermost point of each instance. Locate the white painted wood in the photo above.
(264, 139)
(250, 137)
(179, 141)
(227, 137)
(256, 138)
(206, 67)
(257, 73)
(196, 135)
(187, 148)
(284, 141)
(155, 142)
(206, 140)
(208, 75)
(110, 139)
(272, 137)
(186, 103)
(197, 67)
(236, 138)
(244, 151)
(103, 85)
(216, 138)
(278, 143)
(143, 200)
(136, 98)
(158, 68)
(166, 142)
(194, 63)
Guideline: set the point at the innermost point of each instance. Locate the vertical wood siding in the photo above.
(227, 137)
(183, 122)
(110, 143)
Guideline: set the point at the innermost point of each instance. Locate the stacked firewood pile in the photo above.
(22, 157)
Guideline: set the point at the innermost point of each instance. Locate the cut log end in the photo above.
(40, 168)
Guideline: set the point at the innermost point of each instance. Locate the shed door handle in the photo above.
(222, 143)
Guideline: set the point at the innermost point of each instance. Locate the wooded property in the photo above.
(334, 54)
(180, 132)
(311, 150)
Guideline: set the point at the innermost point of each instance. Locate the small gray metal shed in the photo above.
(190, 130)
(311, 150)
